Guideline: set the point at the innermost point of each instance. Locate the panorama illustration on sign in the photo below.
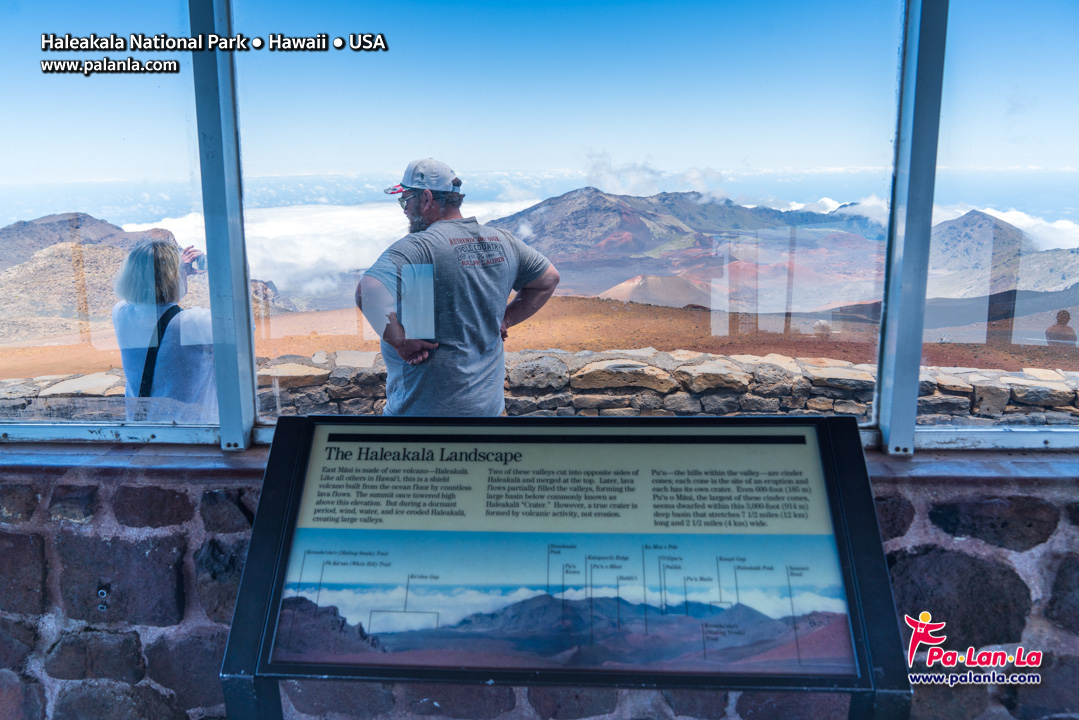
(713, 556)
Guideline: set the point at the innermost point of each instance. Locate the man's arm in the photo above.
(530, 299)
(379, 308)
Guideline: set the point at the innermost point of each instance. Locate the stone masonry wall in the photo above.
(612, 383)
(119, 567)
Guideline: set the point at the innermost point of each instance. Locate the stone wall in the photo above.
(119, 567)
(118, 574)
(615, 383)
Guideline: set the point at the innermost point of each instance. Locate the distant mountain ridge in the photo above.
(57, 273)
(668, 290)
(19, 241)
(622, 247)
(978, 254)
(677, 249)
(673, 249)
(595, 632)
(683, 248)
(589, 221)
(305, 627)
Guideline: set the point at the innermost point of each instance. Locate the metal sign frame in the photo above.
(879, 690)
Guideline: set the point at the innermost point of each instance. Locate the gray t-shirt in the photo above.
(466, 271)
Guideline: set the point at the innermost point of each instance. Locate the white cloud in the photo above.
(706, 181)
(872, 207)
(643, 180)
(305, 246)
(488, 211)
(639, 179)
(456, 604)
(824, 205)
(767, 601)
(188, 230)
(944, 213)
(512, 193)
(1046, 234)
(515, 186)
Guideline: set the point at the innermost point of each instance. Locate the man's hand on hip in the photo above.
(377, 305)
(414, 352)
(411, 351)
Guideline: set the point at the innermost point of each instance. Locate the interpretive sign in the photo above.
(663, 553)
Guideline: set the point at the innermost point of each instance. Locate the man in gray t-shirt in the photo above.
(437, 297)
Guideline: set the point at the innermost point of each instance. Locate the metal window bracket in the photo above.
(907, 268)
(219, 158)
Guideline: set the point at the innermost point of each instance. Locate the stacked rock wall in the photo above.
(615, 383)
(118, 574)
(994, 555)
(119, 567)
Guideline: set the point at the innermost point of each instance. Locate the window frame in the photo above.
(905, 276)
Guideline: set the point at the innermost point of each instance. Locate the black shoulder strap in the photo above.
(151, 353)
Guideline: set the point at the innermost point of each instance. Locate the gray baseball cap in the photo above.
(429, 174)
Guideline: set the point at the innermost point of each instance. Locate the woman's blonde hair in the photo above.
(151, 273)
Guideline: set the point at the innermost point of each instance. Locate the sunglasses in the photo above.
(403, 200)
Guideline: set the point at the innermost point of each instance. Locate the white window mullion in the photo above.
(219, 155)
(907, 270)
(142, 433)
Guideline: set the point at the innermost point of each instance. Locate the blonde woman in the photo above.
(168, 354)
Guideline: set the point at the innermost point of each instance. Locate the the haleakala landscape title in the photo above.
(382, 454)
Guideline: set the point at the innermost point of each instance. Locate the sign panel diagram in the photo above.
(707, 551)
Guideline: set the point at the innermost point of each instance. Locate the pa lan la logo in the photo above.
(923, 630)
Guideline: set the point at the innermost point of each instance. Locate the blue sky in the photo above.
(777, 100)
(518, 85)
(487, 85)
(1011, 89)
(463, 558)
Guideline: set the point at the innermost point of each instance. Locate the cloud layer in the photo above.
(380, 610)
(304, 247)
(1046, 234)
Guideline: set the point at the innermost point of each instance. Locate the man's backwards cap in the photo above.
(427, 174)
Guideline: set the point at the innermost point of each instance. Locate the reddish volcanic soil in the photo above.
(568, 323)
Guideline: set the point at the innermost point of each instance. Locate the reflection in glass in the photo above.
(737, 213)
(93, 164)
(417, 293)
(167, 351)
(999, 343)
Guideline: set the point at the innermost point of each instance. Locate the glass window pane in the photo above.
(999, 344)
(710, 180)
(99, 164)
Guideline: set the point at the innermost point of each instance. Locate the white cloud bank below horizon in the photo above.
(304, 247)
(454, 605)
(299, 246)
